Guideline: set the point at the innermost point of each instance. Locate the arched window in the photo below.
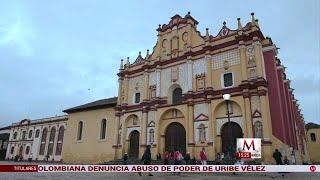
(11, 150)
(313, 137)
(80, 127)
(15, 134)
(30, 134)
(137, 98)
(60, 140)
(103, 128)
(51, 140)
(177, 96)
(43, 141)
(27, 149)
(37, 133)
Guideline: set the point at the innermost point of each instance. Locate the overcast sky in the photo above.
(62, 53)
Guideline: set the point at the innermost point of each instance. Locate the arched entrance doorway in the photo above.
(134, 144)
(175, 137)
(229, 134)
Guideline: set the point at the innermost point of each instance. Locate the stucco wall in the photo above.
(90, 149)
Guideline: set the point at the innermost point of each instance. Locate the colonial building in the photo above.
(38, 137)
(173, 97)
(313, 134)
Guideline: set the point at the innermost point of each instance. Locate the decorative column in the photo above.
(209, 70)
(126, 89)
(258, 58)
(190, 124)
(143, 126)
(243, 59)
(158, 78)
(119, 91)
(248, 118)
(190, 79)
(145, 95)
(266, 127)
(116, 132)
(212, 131)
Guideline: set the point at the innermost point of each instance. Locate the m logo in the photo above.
(249, 147)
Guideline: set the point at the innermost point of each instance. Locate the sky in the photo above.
(58, 54)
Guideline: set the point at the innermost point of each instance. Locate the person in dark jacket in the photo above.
(125, 158)
(166, 158)
(146, 158)
(277, 157)
(187, 158)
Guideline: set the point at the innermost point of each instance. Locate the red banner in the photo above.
(18, 168)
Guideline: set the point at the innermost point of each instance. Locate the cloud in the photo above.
(17, 35)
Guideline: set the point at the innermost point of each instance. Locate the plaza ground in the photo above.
(157, 176)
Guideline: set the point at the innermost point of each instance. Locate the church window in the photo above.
(177, 96)
(80, 127)
(137, 98)
(313, 137)
(103, 129)
(227, 80)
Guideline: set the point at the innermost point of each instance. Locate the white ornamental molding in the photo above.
(129, 130)
(221, 122)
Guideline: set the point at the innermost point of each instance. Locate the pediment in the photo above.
(201, 117)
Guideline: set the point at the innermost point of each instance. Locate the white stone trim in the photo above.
(129, 130)
(222, 79)
(221, 122)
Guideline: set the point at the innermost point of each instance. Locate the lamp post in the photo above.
(226, 97)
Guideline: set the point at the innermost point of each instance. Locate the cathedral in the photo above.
(193, 90)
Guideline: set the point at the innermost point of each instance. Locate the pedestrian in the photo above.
(218, 159)
(222, 156)
(125, 158)
(277, 157)
(158, 156)
(30, 157)
(203, 156)
(193, 161)
(166, 157)
(47, 157)
(187, 158)
(286, 161)
(177, 158)
(21, 157)
(146, 158)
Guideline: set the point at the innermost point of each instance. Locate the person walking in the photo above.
(203, 156)
(177, 158)
(146, 158)
(277, 157)
(125, 158)
(158, 156)
(166, 157)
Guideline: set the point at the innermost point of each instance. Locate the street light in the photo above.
(226, 97)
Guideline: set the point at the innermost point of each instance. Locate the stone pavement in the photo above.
(157, 176)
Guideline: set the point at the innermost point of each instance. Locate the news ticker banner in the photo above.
(159, 168)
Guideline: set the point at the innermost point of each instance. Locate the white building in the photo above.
(37, 138)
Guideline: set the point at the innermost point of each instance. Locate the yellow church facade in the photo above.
(173, 98)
